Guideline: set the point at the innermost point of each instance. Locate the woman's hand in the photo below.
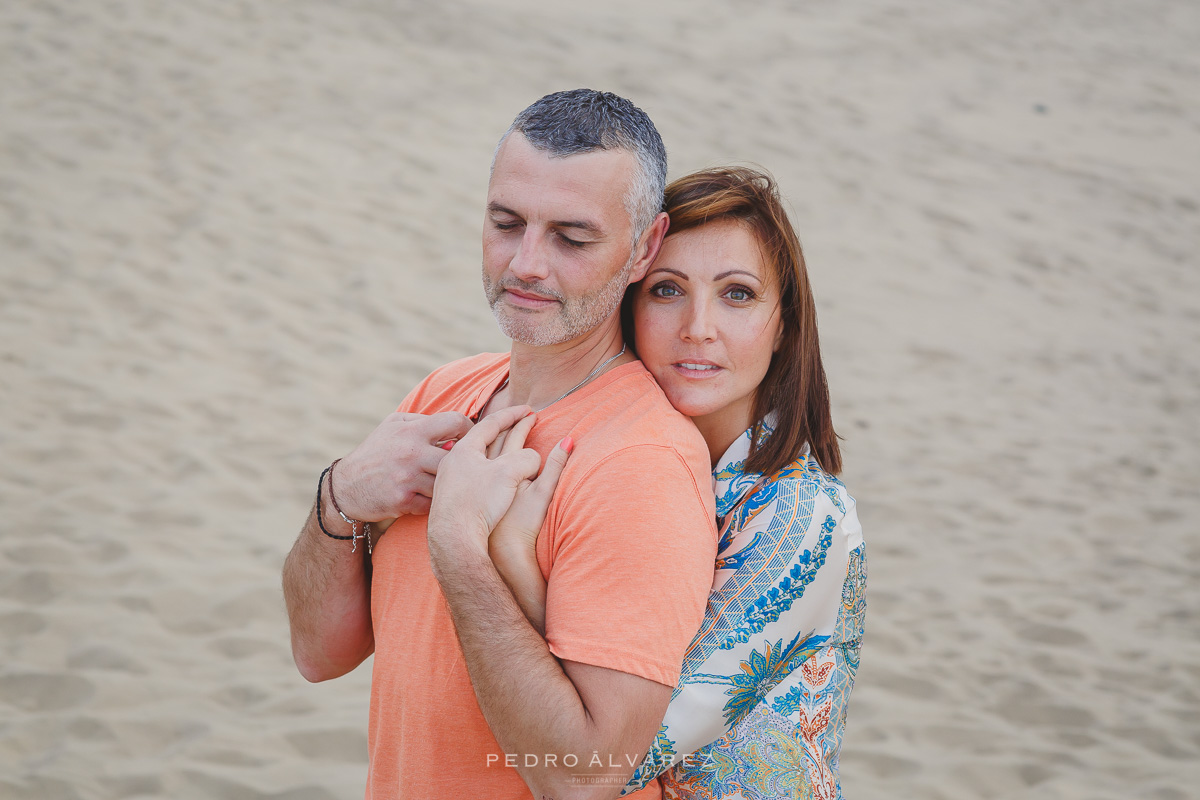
(519, 527)
(513, 543)
(478, 479)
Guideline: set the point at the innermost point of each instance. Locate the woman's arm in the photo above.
(513, 544)
(516, 561)
(532, 702)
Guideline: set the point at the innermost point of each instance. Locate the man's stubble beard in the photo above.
(575, 317)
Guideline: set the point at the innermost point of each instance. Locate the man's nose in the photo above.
(530, 262)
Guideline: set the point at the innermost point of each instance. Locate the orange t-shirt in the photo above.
(627, 551)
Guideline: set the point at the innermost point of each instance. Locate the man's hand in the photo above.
(391, 473)
(327, 585)
(476, 483)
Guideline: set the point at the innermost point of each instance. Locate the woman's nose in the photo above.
(699, 325)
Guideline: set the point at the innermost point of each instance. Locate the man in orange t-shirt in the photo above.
(467, 699)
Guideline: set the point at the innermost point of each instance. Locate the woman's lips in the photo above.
(697, 369)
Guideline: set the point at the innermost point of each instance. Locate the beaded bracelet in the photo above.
(353, 523)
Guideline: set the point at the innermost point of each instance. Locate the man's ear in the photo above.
(648, 246)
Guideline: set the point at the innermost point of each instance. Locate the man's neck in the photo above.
(538, 376)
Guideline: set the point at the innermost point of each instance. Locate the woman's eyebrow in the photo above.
(718, 277)
(729, 272)
(674, 272)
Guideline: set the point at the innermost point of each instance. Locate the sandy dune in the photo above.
(233, 234)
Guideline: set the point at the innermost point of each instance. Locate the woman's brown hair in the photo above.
(794, 386)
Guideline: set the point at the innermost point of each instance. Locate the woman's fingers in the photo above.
(491, 426)
(524, 464)
(497, 446)
(555, 463)
(515, 440)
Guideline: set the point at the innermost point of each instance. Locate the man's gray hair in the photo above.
(583, 120)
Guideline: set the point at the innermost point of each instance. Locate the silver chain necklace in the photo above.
(574, 388)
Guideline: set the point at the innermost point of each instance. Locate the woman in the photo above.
(725, 322)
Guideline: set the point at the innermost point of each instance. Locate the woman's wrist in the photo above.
(517, 563)
(512, 548)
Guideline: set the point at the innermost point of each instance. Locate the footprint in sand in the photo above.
(44, 691)
(20, 623)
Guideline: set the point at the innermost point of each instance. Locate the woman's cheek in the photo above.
(650, 337)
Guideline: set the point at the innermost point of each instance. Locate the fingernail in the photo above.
(447, 444)
(567, 444)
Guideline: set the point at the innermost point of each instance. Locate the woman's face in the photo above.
(707, 322)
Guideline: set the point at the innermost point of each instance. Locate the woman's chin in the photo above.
(691, 406)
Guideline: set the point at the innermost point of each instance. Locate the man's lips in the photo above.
(527, 300)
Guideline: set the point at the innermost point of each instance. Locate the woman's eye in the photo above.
(665, 290)
(739, 294)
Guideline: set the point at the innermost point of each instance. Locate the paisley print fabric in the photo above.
(760, 707)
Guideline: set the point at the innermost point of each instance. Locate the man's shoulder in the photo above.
(445, 388)
(631, 421)
(633, 410)
(479, 366)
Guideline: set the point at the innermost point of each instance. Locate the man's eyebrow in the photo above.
(494, 207)
(579, 224)
(582, 225)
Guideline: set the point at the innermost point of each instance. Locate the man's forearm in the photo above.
(530, 704)
(328, 597)
(326, 581)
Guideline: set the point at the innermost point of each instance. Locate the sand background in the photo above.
(234, 234)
